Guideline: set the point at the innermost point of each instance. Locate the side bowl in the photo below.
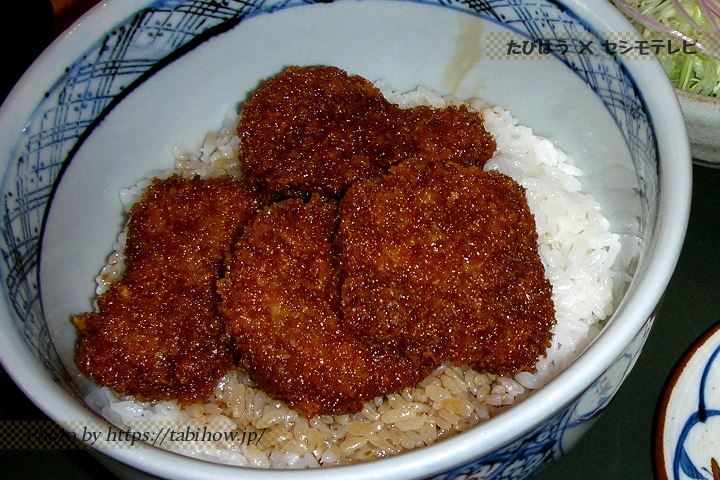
(702, 117)
(106, 102)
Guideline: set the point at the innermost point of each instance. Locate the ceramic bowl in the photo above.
(107, 101)
(702, 118)
(687, 434)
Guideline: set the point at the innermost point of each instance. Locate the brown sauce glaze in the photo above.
(157, 333)
(441, 261)
(406, 255)
(318, 129)
(281, 302)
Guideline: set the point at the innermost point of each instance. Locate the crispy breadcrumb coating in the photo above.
(318, 129)
(280, 299)
(156, 333)
(441, 261)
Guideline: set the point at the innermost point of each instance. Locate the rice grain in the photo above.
(586, 263)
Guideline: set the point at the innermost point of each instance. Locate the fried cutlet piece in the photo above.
(281, 301)
(154, 337)
(157, 333)
(441, 262)
(318, 129)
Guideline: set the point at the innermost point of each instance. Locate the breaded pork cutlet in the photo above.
(280, 299)
(441, 262)
(318, 129)
(157, 333)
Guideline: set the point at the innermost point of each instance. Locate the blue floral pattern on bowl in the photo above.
(153, 38)
(689, 416)
(527, 455)
(682, 461)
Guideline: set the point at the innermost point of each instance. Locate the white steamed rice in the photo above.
(579, 254)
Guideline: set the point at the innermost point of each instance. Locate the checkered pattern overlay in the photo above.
(509, 46)
(36, 435)
(48, 435)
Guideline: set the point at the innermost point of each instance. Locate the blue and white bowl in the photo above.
(687, 441)
(107, 101)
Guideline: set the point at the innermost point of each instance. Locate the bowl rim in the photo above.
(678, 377)
(674, 170)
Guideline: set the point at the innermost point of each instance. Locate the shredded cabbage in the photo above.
(682, 20)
